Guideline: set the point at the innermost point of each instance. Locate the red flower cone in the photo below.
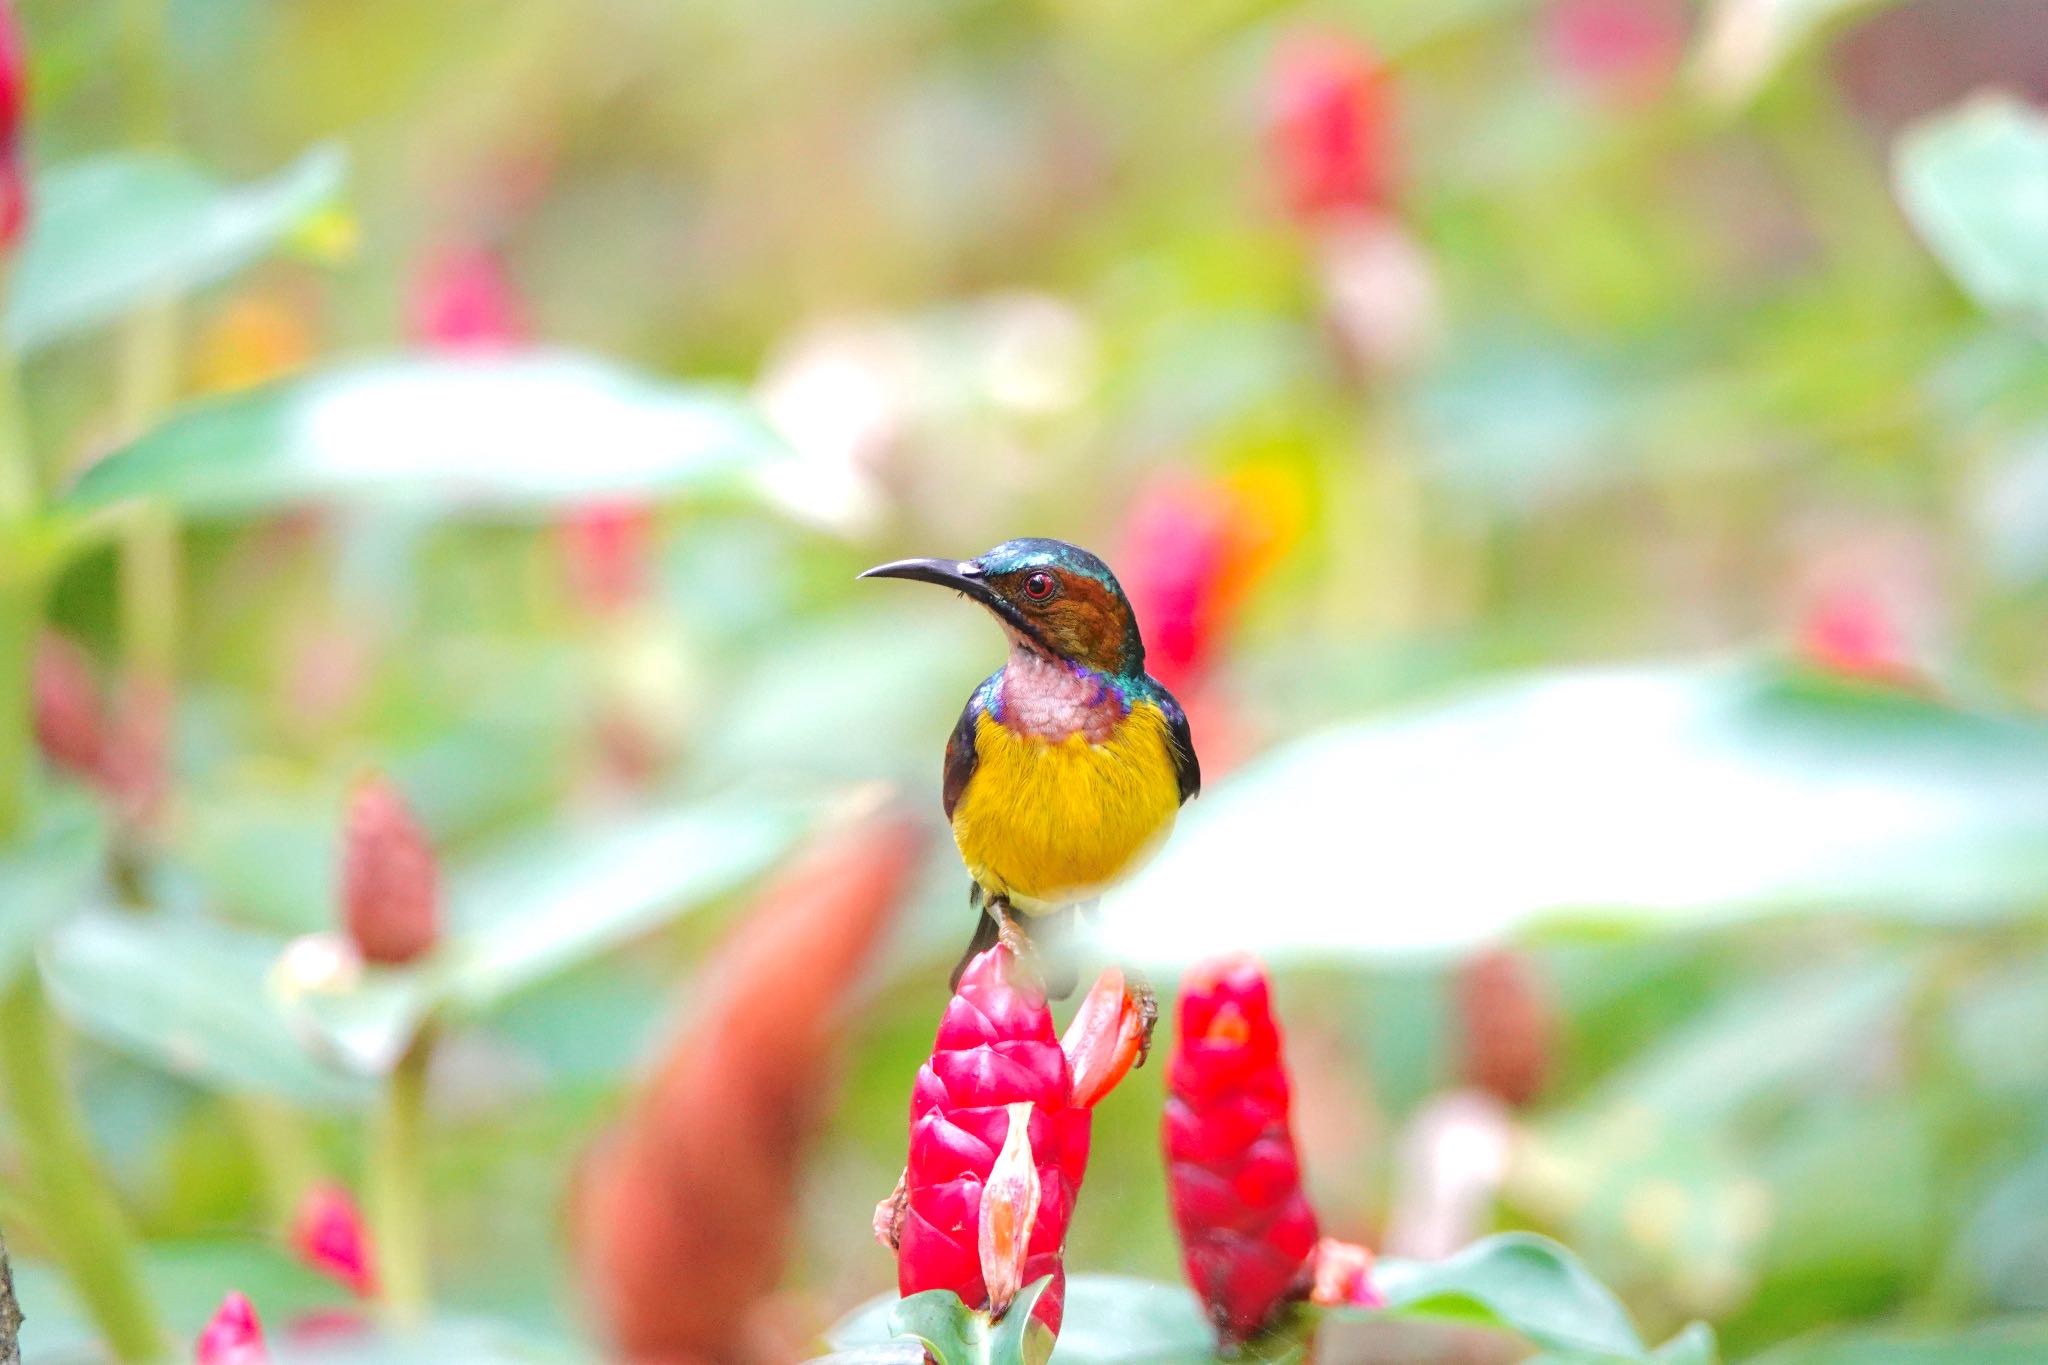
(1246, 1229)
(390, 892)
(1331, 127)
(13, 104)
(997, 1061)
(234, 1336)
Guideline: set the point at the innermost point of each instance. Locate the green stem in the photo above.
(284, 1155)
(150, 568)
(397, 1186)
(89, 1235)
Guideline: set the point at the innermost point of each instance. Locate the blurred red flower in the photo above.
(70, 715)
(1623, 51)
(685, 1216)
(329, 1235)
(1508, 1026)
(234, 1336)
(1246, 1229)
(608, 548)
(464, 300)
(390, 881)
(13, 113)
(1331, 126)
(1851, 631)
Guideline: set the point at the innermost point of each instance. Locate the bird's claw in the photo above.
(1147, 1002)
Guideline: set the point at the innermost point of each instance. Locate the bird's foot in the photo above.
(1147, 1002)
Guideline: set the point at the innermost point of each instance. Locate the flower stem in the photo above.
(397, 1186)
(88, 1232)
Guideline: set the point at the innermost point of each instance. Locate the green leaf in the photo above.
(197, 997)
(56, 872)
(187, 1280)
(129, 228)
(1122, 1320)
(952, 1333)
(551, 903)
(2023, 1341)
(192, 997)
(1694, 1345)
(1744, 42)
(1656, 795)
(472, 1341)
(1974, 181)
(1519, 1282)
(507, 435)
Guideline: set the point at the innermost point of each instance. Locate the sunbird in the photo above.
(1070, 762)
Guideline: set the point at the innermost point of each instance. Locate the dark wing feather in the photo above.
(1186, 766)
(961, 755)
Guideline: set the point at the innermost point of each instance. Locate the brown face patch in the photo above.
(1082, 621)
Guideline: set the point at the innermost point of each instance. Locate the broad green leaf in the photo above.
(1695, 1345)
(194, 998)
(954, 1334)
(54, 873)
(1122, 1320)
(1744, 42)
(1975, 183)
(129, 228)
(510, 435)
(187, 1280)
(1659, 795)
(2021, 1341)
(551, 903)
(1521, 1283)
(200, 998)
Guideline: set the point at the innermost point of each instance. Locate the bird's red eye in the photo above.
(1039, 587)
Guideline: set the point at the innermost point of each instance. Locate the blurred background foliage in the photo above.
(1602, 549)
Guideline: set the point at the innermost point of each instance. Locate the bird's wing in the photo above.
(961, 754)
(1186, 766)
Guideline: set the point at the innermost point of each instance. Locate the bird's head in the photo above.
(1049, 596)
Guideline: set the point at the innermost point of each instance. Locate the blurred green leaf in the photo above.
(128, 228)
(1518, 1282)
(2022, 1341)
(511, 435)
(1974, 181)
(192, 997)
(472, 1341)
(187, 1280)
(548, 904)
(1659, 794)
(54, 873)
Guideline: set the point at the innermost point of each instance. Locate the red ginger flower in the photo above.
(390, 892)
(234, 1336)
(464, 300)
(995, 1065)
(1246, 1228)
(1851, 631)
(1331, 127)
(329, 1235)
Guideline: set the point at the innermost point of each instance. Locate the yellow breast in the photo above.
(1051, 822)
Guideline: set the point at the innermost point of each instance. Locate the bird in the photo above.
(1070, 763)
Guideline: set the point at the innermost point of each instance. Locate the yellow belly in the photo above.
(1049, 823)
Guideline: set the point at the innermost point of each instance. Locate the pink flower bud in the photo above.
(390, 894)
(1622, 51)
(1343, 1276)
(608, 548)
(70, 717)
(1104, 1039)
(463, 300)
(1009, 1211)
(328, 1234)
(234, 1337)
(1851, 631)
(1509, 1027)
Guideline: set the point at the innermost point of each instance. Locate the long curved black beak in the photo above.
(961, 575)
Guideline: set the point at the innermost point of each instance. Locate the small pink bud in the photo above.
(70, 717)
(608, 548)
(1342, 1275)
(328, 1235)
(389, 883)
(1009, 1211)
(234, 1337)
(1853, 632)
(1104, 1040)
(463, 300)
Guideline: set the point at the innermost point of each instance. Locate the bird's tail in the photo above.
(985, 934)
